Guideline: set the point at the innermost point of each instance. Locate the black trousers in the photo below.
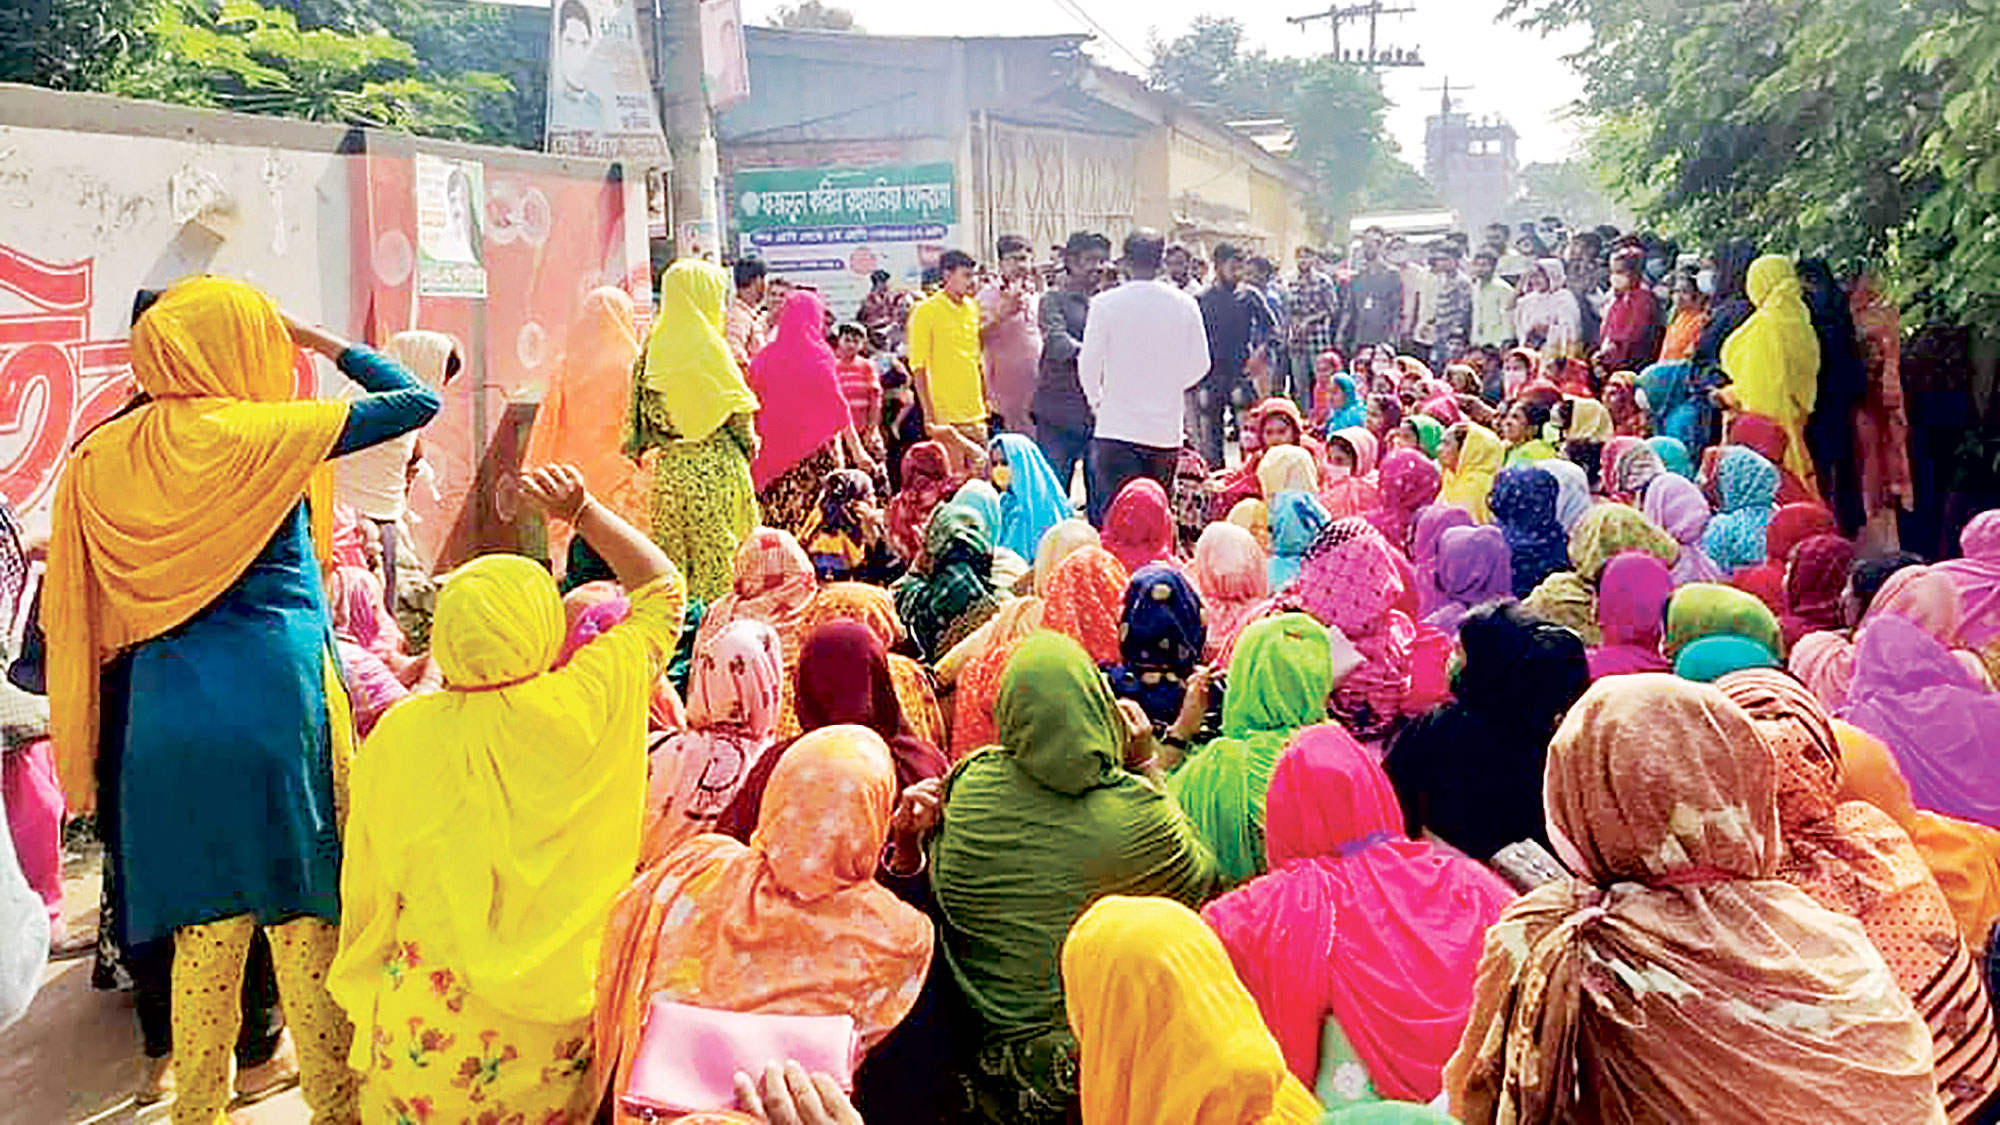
(1118, 462)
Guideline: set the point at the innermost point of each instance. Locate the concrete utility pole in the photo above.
(694, 217)
(1374, 57)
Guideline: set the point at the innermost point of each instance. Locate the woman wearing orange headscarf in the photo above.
(793, 923)
(190, 655)
(581, 419)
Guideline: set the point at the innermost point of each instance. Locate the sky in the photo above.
(1514, 73)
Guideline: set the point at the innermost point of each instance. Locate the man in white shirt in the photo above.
(1144, 346)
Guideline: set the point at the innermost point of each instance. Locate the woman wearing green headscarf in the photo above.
(1569, 597)
(1279, 679)
(949, 591)
(1428, 432)
(1034, 830)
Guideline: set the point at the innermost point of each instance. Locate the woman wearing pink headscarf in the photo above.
(1229, 572)
(1409, 480)
(796, 378)
(735, 694)
(1351, 487)
(1139, 525)
(1358, 940)
(1940, 719)
(1977, 577)
(1354, 581)
(1632, 596)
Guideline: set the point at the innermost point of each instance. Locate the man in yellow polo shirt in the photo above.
(945, 358)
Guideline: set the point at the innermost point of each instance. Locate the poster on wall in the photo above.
(600, 94)
(451, 243)
(831, 228)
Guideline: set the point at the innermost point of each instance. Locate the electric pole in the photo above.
(1374, 57)
(694, 213)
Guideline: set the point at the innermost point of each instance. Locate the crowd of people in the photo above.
(1486, 692)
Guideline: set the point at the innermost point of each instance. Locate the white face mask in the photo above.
(1704, 280)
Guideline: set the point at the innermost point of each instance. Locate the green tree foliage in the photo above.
(814, 15)
(1858, 130)
(398, 64)
(1336, 112)
(1394, 184)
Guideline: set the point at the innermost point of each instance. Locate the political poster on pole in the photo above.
(832, 227)
(600, 92)
(451, 227)
(725, 64)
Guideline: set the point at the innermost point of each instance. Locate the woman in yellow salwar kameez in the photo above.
(492, 826)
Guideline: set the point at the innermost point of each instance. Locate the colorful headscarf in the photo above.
(736, 687)
(1352, 412)
(1062, 540)
(1665, 803)
(469, 800)
(1709, 609)
(1159, 642)
(949, 592)
(1791, 525)
(1679, 508)
(1229, 570)
(1589, 420)
(927, 481)
(1667, 387)
(977, 686)
(1824, 662)
(1963, 857)
(1773, 359)
(1480, 455)
(1941, 721)
(1748, 485)
(1357, 922)
(1629, 466)
(1814, 583)
(1034, 500)
(1921, 595)
(796, 378)
(1288, 468)
(1353, 493)
(1674, 455)
(1039, 827)
(1083, 601)
(1409, 481)
(161, 509)
(794, 923)
(774, 583)
(1572, 490)
(1977, 577)
(1852, 859)
(1474, 565)
(1524, 508)
(1632, 595)
(689, 368)
(1297, 519)
(1355, 582)
(1254, 517)
(1166, 1034)
(1569, 598)
(1279, 679)
(1711, 658)
(1432, 523)
(1430, 433)
(834, 535)
(1139, 525)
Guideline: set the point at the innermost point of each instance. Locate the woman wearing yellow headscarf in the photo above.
(691, 405)
(191, 685)
(1471, 456)
(494, 824)
(1166, 1033)
(1773, 360)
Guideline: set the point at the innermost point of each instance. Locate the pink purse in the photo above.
(689, 1057)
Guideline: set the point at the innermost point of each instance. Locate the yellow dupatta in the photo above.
(497, 821)
(161, 510)
(688, 364)
(1480, 454)
(1773, 359)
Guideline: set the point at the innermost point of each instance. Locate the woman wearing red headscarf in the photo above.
(1139, 526)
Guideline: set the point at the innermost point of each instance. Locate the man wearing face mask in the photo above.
(1631, 337)
(1374, 308)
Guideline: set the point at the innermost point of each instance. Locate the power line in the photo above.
(1073, 8)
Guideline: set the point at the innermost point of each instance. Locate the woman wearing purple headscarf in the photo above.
(1473, 566)
(1672, 501)
(1977, 577)
(1936, 716)
(1432, 523)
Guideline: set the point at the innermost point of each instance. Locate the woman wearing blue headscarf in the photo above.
(1296, 519)
(1524, 505)
(1748, 485)
(1032, 500)
(1668, 389)
(1159, 643)
(1674, 455)
(1345, 408)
